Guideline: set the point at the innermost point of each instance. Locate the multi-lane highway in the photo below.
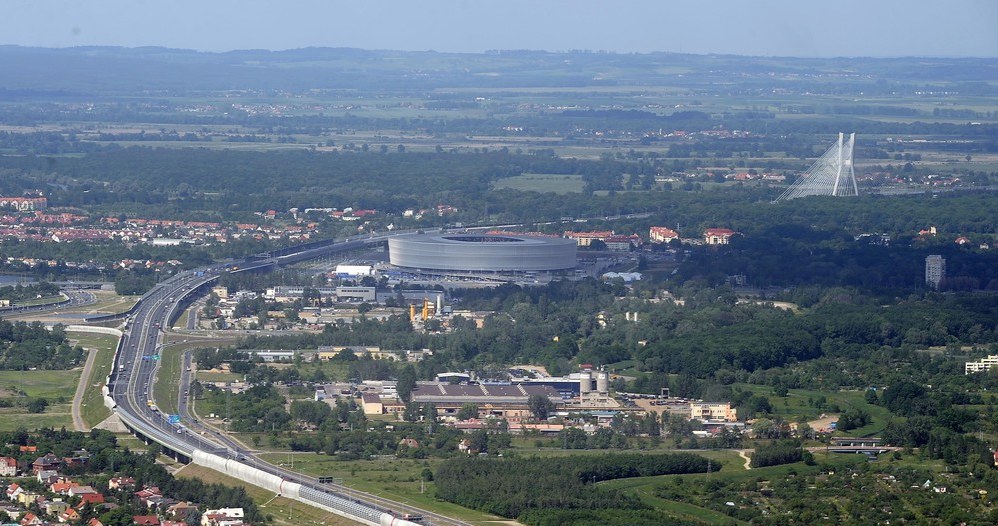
(130, 387)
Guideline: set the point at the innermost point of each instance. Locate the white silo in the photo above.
(602, 382)
(585, 382)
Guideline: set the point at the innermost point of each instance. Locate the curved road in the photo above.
(137, 361)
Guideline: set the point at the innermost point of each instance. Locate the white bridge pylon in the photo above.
(832, 174)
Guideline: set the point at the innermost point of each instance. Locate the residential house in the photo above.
(12, 512)
(69, 515)
(146, 520)
(8, 467)
(717, 236)
(585, 239)
(182, 510)
(31, 519)
(661, 234)
(49, 477)
(222, 517)
(121, 483)
(55, 507)
(27, 498)
(62, 487)
(13, 491)
(78, 491)
(49, 462)
(92, 498)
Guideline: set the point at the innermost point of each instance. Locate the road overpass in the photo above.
(129, 387)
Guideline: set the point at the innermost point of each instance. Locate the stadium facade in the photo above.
(482, 253)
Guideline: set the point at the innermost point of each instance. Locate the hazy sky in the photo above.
(743, 27)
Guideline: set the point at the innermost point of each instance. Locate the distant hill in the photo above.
(91, 71)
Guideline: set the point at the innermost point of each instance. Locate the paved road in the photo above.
(78, 423)
(75, 298)
(137, 362)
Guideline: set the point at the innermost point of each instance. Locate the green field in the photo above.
(92, 407)
(55, 416)
(396, 479)
(47, 300)
(53, 385)
(58, 387)
(644, 487)
(795, 406)
(107, 302)
(166, 391)
(553, 183)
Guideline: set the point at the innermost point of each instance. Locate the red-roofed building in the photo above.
(62, 487)
(662, 234)
(717, 236)
(121, 483)
(92, 498)
(8, 467)
(13, 491)
(584, 239)
(146, 520)
(31, 518)
(70, 515)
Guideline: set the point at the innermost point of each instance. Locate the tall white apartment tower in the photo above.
(935, 270)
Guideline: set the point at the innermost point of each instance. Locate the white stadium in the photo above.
(482, 252)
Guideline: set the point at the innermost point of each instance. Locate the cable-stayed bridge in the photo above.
(832, 174)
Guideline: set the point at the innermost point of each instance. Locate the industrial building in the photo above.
(501, 401)
(482, 253)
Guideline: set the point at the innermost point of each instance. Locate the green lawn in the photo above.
(55, 416)
(207, 377)
(53, 385)
(108, 302)
(396, 479)
(58, 387)
(92, 408)
(47, 300)
(182, 320)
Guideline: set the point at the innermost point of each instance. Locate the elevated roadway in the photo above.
(129, 387)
